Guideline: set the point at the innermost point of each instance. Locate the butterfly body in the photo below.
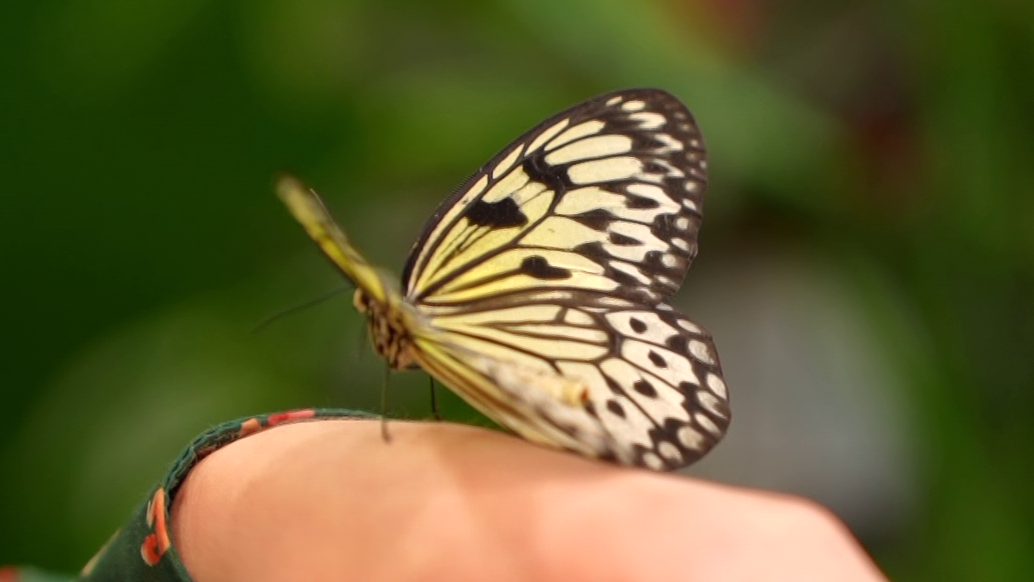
(390, 328)
(539, 290)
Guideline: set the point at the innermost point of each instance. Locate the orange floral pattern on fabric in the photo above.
(156, 543)
(256, 424)
(249, 427)
(290, 416)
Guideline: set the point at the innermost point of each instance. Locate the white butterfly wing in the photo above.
(538, 291)
(647, 377)
(604, 196)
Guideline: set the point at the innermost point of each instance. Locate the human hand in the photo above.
(330, 500)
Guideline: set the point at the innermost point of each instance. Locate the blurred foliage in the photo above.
(141, 240)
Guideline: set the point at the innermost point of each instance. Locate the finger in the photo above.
(330, 499)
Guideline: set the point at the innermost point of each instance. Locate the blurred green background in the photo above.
(867, 262)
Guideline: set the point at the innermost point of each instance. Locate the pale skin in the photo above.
(330, 500)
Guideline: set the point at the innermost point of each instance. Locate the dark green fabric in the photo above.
(141, 549)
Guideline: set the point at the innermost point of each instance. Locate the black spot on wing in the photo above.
(537, 266)
(634, 202)
(615, 407)
(597, 219)
(678, 344)
(538, 170)
(623, 240)
(500, 214)
(657, 359)
(653, 167)
(637, 325)
(594, 251)
(622, 278)
(590, 409)
(645, 388)
(646, 142)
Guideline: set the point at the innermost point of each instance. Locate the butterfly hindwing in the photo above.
(651, 378)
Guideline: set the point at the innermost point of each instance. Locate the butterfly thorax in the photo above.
(388, 332)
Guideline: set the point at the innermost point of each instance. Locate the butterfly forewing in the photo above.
(606, 196)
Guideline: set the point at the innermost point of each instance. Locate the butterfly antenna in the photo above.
(307, 304)
(362, 344)
(434, 402)
(384, 407)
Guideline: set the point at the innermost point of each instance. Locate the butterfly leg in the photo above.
(384, 407)
(434, 402)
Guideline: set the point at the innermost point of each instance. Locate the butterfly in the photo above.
(538, 292)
